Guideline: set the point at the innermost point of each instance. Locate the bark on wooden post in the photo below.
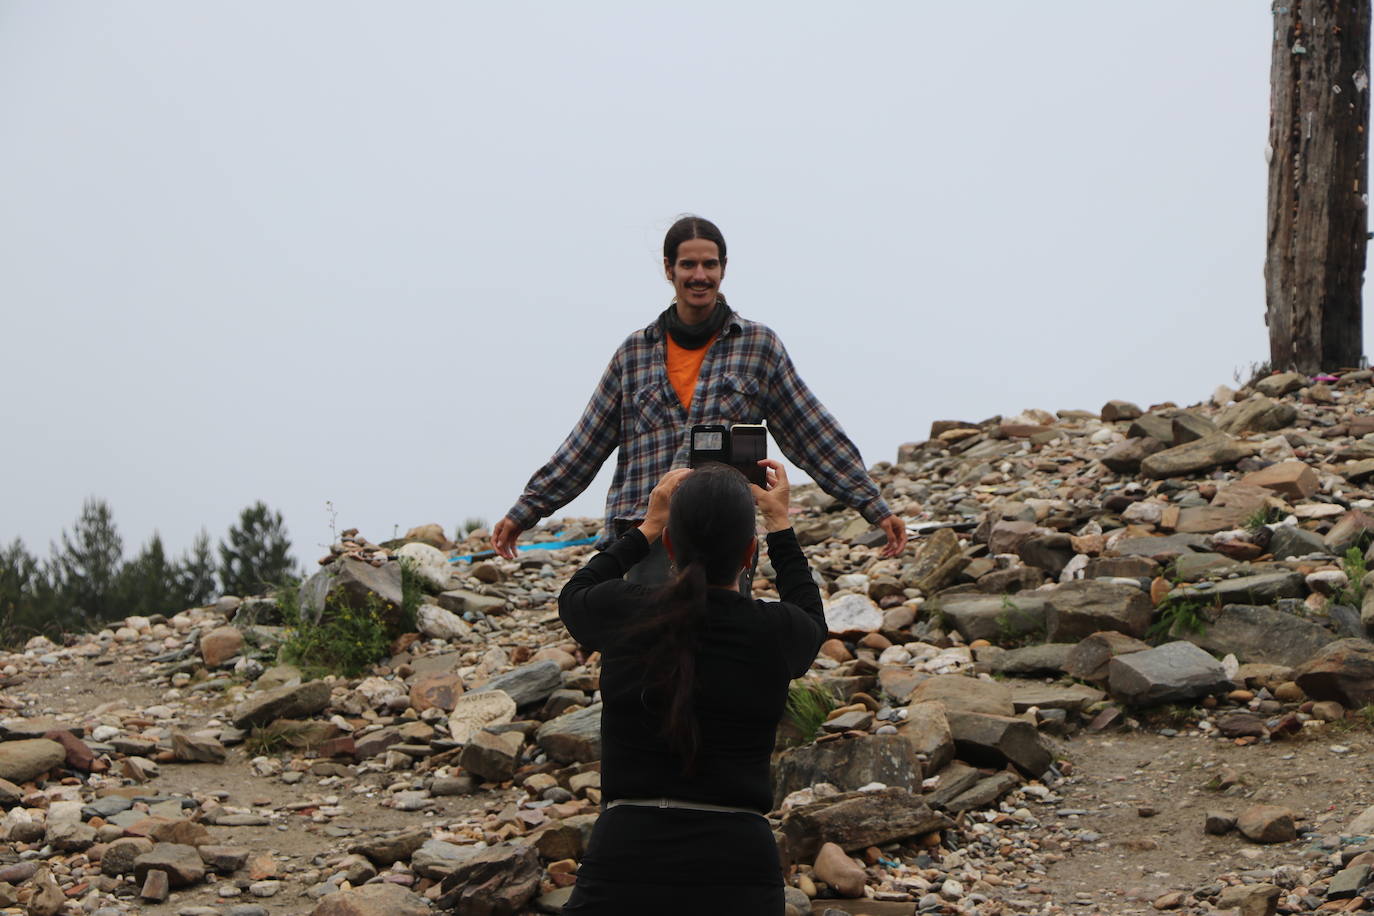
(1318, 183)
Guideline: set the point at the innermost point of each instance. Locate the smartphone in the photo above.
(748, 444)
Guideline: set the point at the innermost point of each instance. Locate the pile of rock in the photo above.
(1074, 570)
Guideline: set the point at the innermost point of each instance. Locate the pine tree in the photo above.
(86, 568)
(27, 603)
(256, 553)
(147, 584)
(195, 573)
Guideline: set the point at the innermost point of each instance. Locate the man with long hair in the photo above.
(697, 362)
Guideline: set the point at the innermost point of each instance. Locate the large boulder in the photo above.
(995, 741)
(29, 758)
(1169, 673)
(848, 765)
(528, 684)
(1088, 660)
(1083, 607)
(957, 693)
(927, 731)
(428, 562)
(1256, 415)
(996, 618)
(1342, 671)
(358, 583)
(1198, 455)
(1260, 633)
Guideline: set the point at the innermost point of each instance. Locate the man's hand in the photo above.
(503, 537)
(896, 535)
(656, 519)
(774, 501)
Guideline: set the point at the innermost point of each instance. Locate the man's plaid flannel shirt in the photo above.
(747, 377)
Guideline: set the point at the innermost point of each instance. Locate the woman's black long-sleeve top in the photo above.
(748, 652)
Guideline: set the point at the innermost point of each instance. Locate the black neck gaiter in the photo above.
(694, 336)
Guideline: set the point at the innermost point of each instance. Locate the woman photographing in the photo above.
(694, 679)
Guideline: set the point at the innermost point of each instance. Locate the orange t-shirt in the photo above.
(684, 366)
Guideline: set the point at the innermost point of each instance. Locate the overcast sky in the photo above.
(378, 253)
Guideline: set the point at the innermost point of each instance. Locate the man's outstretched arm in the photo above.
(572, 467)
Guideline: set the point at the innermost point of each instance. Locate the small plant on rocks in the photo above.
(1354, 566)
(808, 706)
(347, 640)
(1183, 615)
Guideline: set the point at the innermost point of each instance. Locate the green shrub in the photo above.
(348, 640)
(1354, 566)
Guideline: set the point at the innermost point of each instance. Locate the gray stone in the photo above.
(994, 617)
(1260, 633)
(380, 899)
(288, 702)
(528, 684)
(1160, 549)
(358, 583)
(996, 741)
(938, 559)
(1198, 455)
(1260, 588)
(1190, 567)
(1152, 425)
(390, 848)
(1083, 607)
(1282, 383)
(65, 829)
(29, 758)
(197, 748)
(1115, 410)
(573, 737)
(1050, 552)
(1186, 427)
(182, 864)
(927, 731)
(848, 765)
(1073, 698)
(1087, 661)
(958, 693)
(1342, 671)
(461, 601)
(1032, 661)
(1347, 882)
(857, 820)
(984, 793)
(437, 859)
(1267, 824)
(1256, 415)
(492, 757)
(1169, 673)
(1290, 541)
(954, 780)
(1125, 457)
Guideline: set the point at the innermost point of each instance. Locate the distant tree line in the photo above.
(86, 582)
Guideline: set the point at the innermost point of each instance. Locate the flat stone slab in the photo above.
(1260, 633)
(1169, 673)
(1051, 696)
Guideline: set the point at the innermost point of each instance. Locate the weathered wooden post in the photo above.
(1318, 183)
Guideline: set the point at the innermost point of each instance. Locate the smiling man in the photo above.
(698, 362)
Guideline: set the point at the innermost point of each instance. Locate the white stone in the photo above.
(853, 613)
(428, 561)
(437, 623)
(894, 655)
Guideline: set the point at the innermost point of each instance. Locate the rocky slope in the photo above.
(1191, 574)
